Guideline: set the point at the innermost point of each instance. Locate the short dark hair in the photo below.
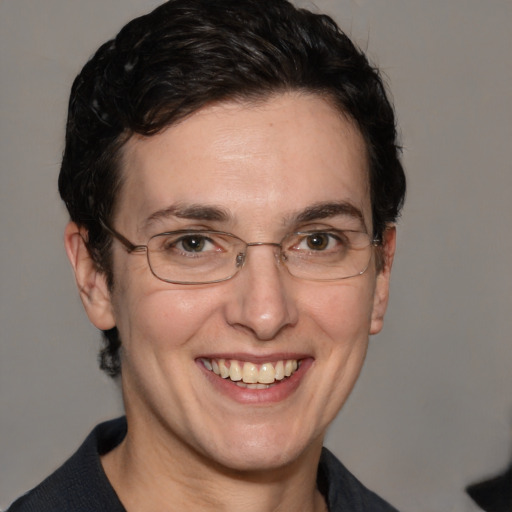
(186, 54)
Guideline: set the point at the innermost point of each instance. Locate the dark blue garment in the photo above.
(80, 484)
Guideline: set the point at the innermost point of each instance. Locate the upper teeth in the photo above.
(251, 373)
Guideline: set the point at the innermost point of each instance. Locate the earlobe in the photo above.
(381, 295)
(91, 283)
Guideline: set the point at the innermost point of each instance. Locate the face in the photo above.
(252, 170)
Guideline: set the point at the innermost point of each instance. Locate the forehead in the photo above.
(254, 161)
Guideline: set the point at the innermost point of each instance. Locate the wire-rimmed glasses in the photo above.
(190, 256)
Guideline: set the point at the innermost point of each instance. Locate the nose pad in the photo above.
(241, 257)
(240, 260)
(281, 257)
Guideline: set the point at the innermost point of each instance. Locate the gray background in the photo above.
(433, 408)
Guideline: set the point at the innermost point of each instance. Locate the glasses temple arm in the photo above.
(131, 247)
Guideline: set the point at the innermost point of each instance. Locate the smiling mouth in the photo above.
(251, 375)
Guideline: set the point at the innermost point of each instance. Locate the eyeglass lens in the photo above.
(191, 257)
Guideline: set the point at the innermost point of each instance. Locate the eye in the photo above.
(193, 243)
(185, 244)
(318, 241)
(204, 245)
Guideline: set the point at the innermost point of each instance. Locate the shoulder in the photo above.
(80, 483)
(343, 491)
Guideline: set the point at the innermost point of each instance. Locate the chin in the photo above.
(258, 461)
(264, 451)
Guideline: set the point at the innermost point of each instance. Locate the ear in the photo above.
(381, 295)
(92, 283)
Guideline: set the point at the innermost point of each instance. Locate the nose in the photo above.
(263, 301)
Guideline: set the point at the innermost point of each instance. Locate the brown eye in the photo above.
(317, 241)
(192, 243)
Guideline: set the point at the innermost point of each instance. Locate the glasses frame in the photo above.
(240, 258)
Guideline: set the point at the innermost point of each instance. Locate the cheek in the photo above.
(162, 319)
(342, 310)
(340, 319)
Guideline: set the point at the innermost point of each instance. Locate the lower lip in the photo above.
(277, 392)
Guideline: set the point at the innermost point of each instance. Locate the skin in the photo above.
(261, 163)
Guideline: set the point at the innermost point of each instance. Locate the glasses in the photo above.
(205, 257)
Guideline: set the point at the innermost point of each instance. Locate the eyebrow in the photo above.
(329, 209)
(189, 211)
(316, 211)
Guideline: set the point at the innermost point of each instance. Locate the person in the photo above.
(233, 178)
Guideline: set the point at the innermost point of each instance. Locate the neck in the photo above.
(149, 474)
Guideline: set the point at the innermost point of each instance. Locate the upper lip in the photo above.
(258, 359)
